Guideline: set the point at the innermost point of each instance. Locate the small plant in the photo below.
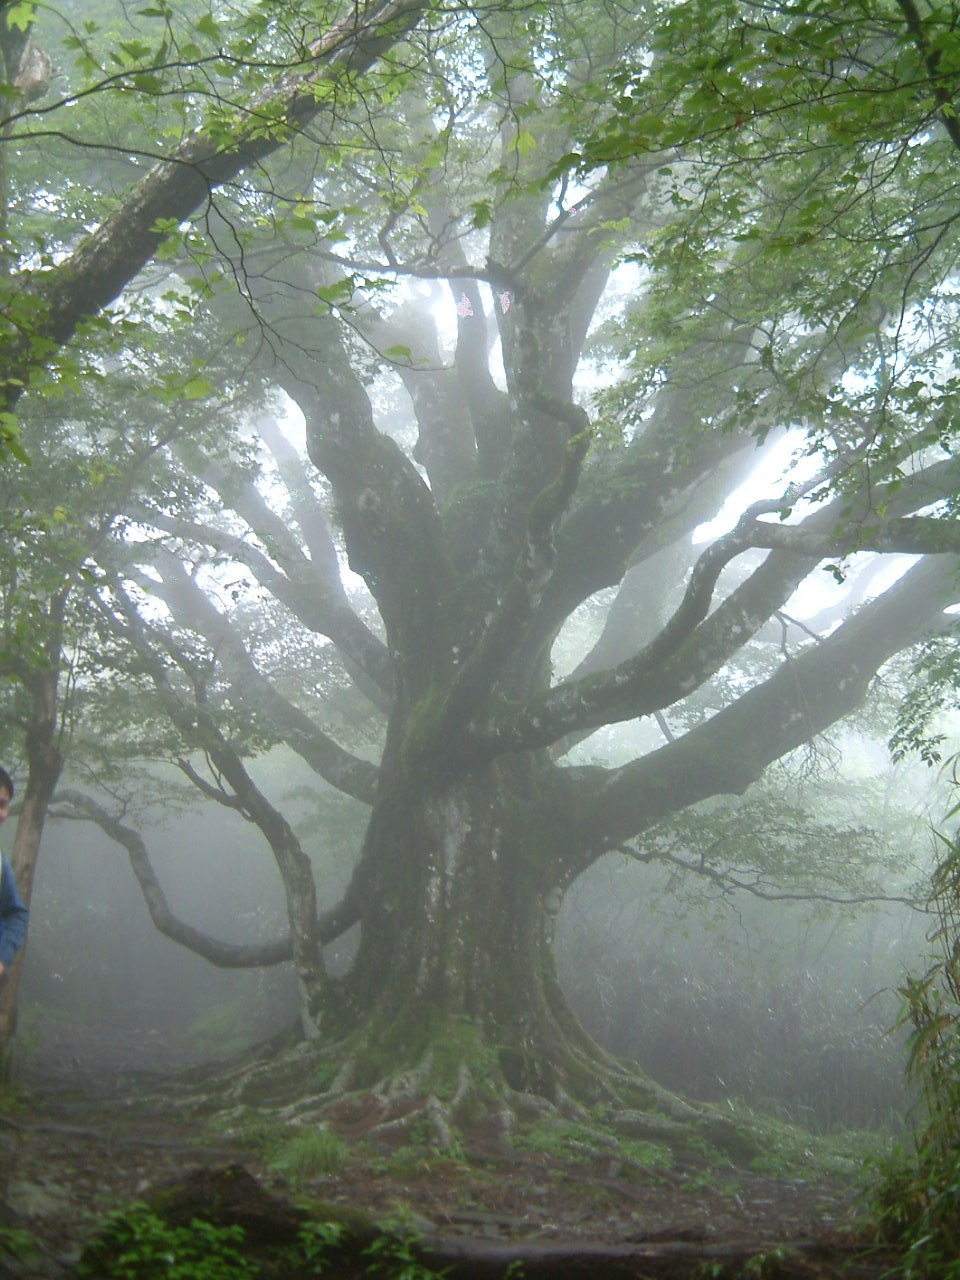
(418, 1160)
(138, 1245)
(12, 1099)
(708, 1271)
(325, 1073)
(394, 1257)
(315, 1240)
(310, 1153)
(767, 1263)
(15, 1242)
(248, 1129)
(401, 1222)
(646, 1155)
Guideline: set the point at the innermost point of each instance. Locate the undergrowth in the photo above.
(918, 1197)
(138, 1244)
(310, 1153)
(297, 1154)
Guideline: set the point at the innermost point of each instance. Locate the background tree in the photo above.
(568, 438)
(55, 280)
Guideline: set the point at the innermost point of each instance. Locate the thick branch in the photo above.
(217, 793)
(931, 57)
(445, 447)
(487, 405)
(192, 607)
(658, 571)
(913, 535)
(307, 509)
(316, 580)
(390, 522)
(806, 695)
(387, 512)
(626, 506)
(322, 607)
(226, 955)
(244, 498)
(668, 668)
(108, 259)
(523, 592)
(691, 647)
(197, 725)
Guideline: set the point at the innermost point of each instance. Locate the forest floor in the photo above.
(91, 1132)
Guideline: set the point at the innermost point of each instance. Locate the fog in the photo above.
(784, 1006)
(785, 1009)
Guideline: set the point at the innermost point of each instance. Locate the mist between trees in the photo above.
(377, 380)
(785, 1005)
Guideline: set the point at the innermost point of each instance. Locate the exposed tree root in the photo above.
(449, 1103)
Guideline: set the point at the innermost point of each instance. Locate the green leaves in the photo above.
(398, 352)
(208, 26)
(136, 1244)
(10, 444)
(524, 143)
(338, 293)
(19, 15)
(482, 213)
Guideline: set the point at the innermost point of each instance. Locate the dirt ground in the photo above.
(92, 1134)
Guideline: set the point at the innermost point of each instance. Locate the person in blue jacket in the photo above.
(13, 914)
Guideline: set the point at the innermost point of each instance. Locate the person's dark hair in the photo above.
(6, 781)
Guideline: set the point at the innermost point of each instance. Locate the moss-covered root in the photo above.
(458, 1085)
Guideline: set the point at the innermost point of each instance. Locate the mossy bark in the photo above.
(452, 926)
(453, 995)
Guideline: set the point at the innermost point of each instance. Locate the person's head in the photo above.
(6, 793)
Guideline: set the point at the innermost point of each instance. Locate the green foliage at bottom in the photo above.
(17, 1243)
(138, 1245)
(569, 1142)
(394, 1258)
(917, 1203)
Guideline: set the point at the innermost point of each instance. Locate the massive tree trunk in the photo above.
(452, 1008)
(456, 921)
(452, 1011)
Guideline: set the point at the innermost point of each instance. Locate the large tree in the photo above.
(505, 433)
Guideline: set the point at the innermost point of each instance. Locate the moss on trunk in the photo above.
(452, 1016)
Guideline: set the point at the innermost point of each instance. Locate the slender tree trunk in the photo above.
(44, 764)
